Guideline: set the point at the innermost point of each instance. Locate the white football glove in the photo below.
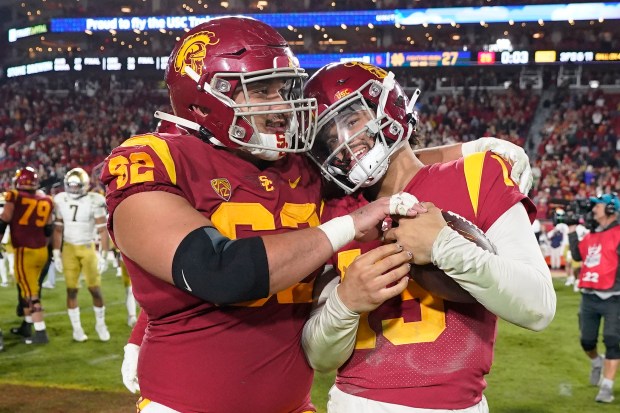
(129, 368)
(521, 170)
(57, 260)
(102, 263)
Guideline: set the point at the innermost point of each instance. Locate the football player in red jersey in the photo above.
(398, 347)
(28, 214)
(219, 228)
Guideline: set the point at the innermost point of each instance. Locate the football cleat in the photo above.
(102, 331)
(40, 337)
(79, 336)
(24, 330)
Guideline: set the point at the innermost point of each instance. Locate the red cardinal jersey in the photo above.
(31, 214)
(416, 349)
(198, 357)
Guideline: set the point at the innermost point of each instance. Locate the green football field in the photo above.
(543, 372)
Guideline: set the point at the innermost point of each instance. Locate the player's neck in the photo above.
(404, 165)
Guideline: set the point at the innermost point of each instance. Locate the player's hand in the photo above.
(419, 233)
(129, 368)
(368, 219)
(375, 277)
(102, 263)
(57, 260)
(521, 170)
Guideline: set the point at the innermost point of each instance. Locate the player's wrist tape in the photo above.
(56, 254)
(340, 231)
(220, 270)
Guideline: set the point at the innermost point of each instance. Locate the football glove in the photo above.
(102, 264)
(57, 260)
(129, 368)
(521, 170)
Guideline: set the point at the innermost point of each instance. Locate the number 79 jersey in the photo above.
(231, 358)
(32, 212)
(78, 216)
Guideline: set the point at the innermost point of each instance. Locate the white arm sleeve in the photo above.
(328, 338)
(516, 283)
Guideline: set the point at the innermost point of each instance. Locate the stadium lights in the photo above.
(594, 84)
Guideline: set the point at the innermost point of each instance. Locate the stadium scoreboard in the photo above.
(315, 61)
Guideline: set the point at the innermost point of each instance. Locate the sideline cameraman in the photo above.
(600, 287)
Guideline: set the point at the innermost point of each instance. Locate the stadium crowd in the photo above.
(562, 36)
(56, 125)
(70, 125)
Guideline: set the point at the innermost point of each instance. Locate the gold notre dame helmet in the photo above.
(77, 182)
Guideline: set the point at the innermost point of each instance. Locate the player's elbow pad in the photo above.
(48, 230)
(220, 270)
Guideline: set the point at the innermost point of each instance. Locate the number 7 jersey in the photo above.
(244, 357)
(78, 216)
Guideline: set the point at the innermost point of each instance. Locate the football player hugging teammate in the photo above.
(218, 225)
(81, 215)
(398, 347)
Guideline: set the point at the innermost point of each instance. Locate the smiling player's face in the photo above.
(269, 91)
(344, 129)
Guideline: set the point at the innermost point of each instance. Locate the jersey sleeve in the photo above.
(491, 189)
(142, 163)
(11, 196)
(99, 208)
(58, 201)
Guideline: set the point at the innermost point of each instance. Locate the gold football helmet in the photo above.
(77, 182)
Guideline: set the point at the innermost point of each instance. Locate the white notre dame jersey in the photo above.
(5, 237)
(78, 216)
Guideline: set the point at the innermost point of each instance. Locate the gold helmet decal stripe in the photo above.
(377, 71)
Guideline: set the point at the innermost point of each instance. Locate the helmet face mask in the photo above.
(364, 118)
(211, 73)
(354, 149)
(77, 183)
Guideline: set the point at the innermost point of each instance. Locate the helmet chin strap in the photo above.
(266, 139)
(188, 124)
